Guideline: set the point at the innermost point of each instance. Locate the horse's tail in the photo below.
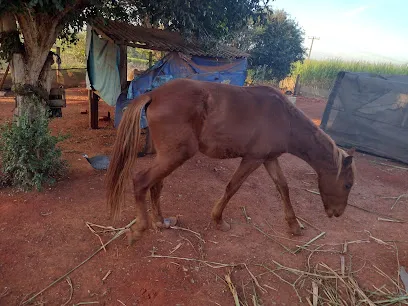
(124, 156)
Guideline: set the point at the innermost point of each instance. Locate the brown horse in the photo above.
(222, 121)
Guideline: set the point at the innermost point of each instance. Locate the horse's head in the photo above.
(335, 187)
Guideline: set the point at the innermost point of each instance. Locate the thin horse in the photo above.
(222, 121)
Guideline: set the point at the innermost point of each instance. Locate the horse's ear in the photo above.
(351, 151)
(347, 161)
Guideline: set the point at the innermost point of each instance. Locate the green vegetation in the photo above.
(322, 73)
(138, 61)
(73, 54)
(29, 153)
(274, 46)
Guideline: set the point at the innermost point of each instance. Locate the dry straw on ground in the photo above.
(318, 285)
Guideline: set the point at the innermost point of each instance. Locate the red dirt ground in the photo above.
(43, 234)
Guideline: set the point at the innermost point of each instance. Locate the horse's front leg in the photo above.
(246, 167)
(275, 171)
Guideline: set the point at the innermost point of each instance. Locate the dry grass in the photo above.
(316, 285)
(332, 288)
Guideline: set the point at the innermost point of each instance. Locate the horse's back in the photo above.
(226, 121)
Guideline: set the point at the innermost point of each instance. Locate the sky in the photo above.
(373, 30)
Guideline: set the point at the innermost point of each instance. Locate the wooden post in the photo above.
(123, 67)
(4, 76)
(150, 59)
(297, 86)
(58, 52)
(93, 109)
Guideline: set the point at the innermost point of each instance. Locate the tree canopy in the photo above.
(275, 45)
(210, 18)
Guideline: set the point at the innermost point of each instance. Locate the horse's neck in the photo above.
(311, 144)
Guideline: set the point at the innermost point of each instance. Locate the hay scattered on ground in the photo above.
(317, 285)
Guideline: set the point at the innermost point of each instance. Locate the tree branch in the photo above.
(7, 23)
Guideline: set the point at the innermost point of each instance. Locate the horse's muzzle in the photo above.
(329, 213)
(334, 212)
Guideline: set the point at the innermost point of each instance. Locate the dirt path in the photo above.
(43, 235)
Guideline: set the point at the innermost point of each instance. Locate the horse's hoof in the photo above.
(224, 226)
(167, 222)
(132, 236)
(129, 236)
(295, 230)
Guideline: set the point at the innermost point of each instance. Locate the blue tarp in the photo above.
(176, 65)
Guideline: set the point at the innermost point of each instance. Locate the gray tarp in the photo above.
(369, 112)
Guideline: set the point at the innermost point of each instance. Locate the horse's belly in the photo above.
(233, 145)
(229, 137)
(221, 151)
(226, 144)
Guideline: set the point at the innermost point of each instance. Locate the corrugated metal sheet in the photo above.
(154, 39)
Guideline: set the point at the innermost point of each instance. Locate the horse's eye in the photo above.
(348, 186)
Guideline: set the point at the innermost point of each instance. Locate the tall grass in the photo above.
(322, 73)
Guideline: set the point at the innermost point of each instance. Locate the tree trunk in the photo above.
(41, 85)
(31, 67)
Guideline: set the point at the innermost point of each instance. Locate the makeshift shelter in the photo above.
(369, 112)
(107, 62)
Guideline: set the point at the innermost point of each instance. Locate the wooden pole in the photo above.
(123, 67)
(311, 45)
(58, 52)
(93, 109)
(297, 86)
(150, 59)
(4, 76)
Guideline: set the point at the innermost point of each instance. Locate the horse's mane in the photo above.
(338, 157)
(338, 154)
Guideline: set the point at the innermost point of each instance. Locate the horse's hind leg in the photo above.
(155, 192)
(275, 171)
(246, 167)
(148, 178)
(157, 218)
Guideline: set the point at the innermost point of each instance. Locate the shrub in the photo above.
(29, 153)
